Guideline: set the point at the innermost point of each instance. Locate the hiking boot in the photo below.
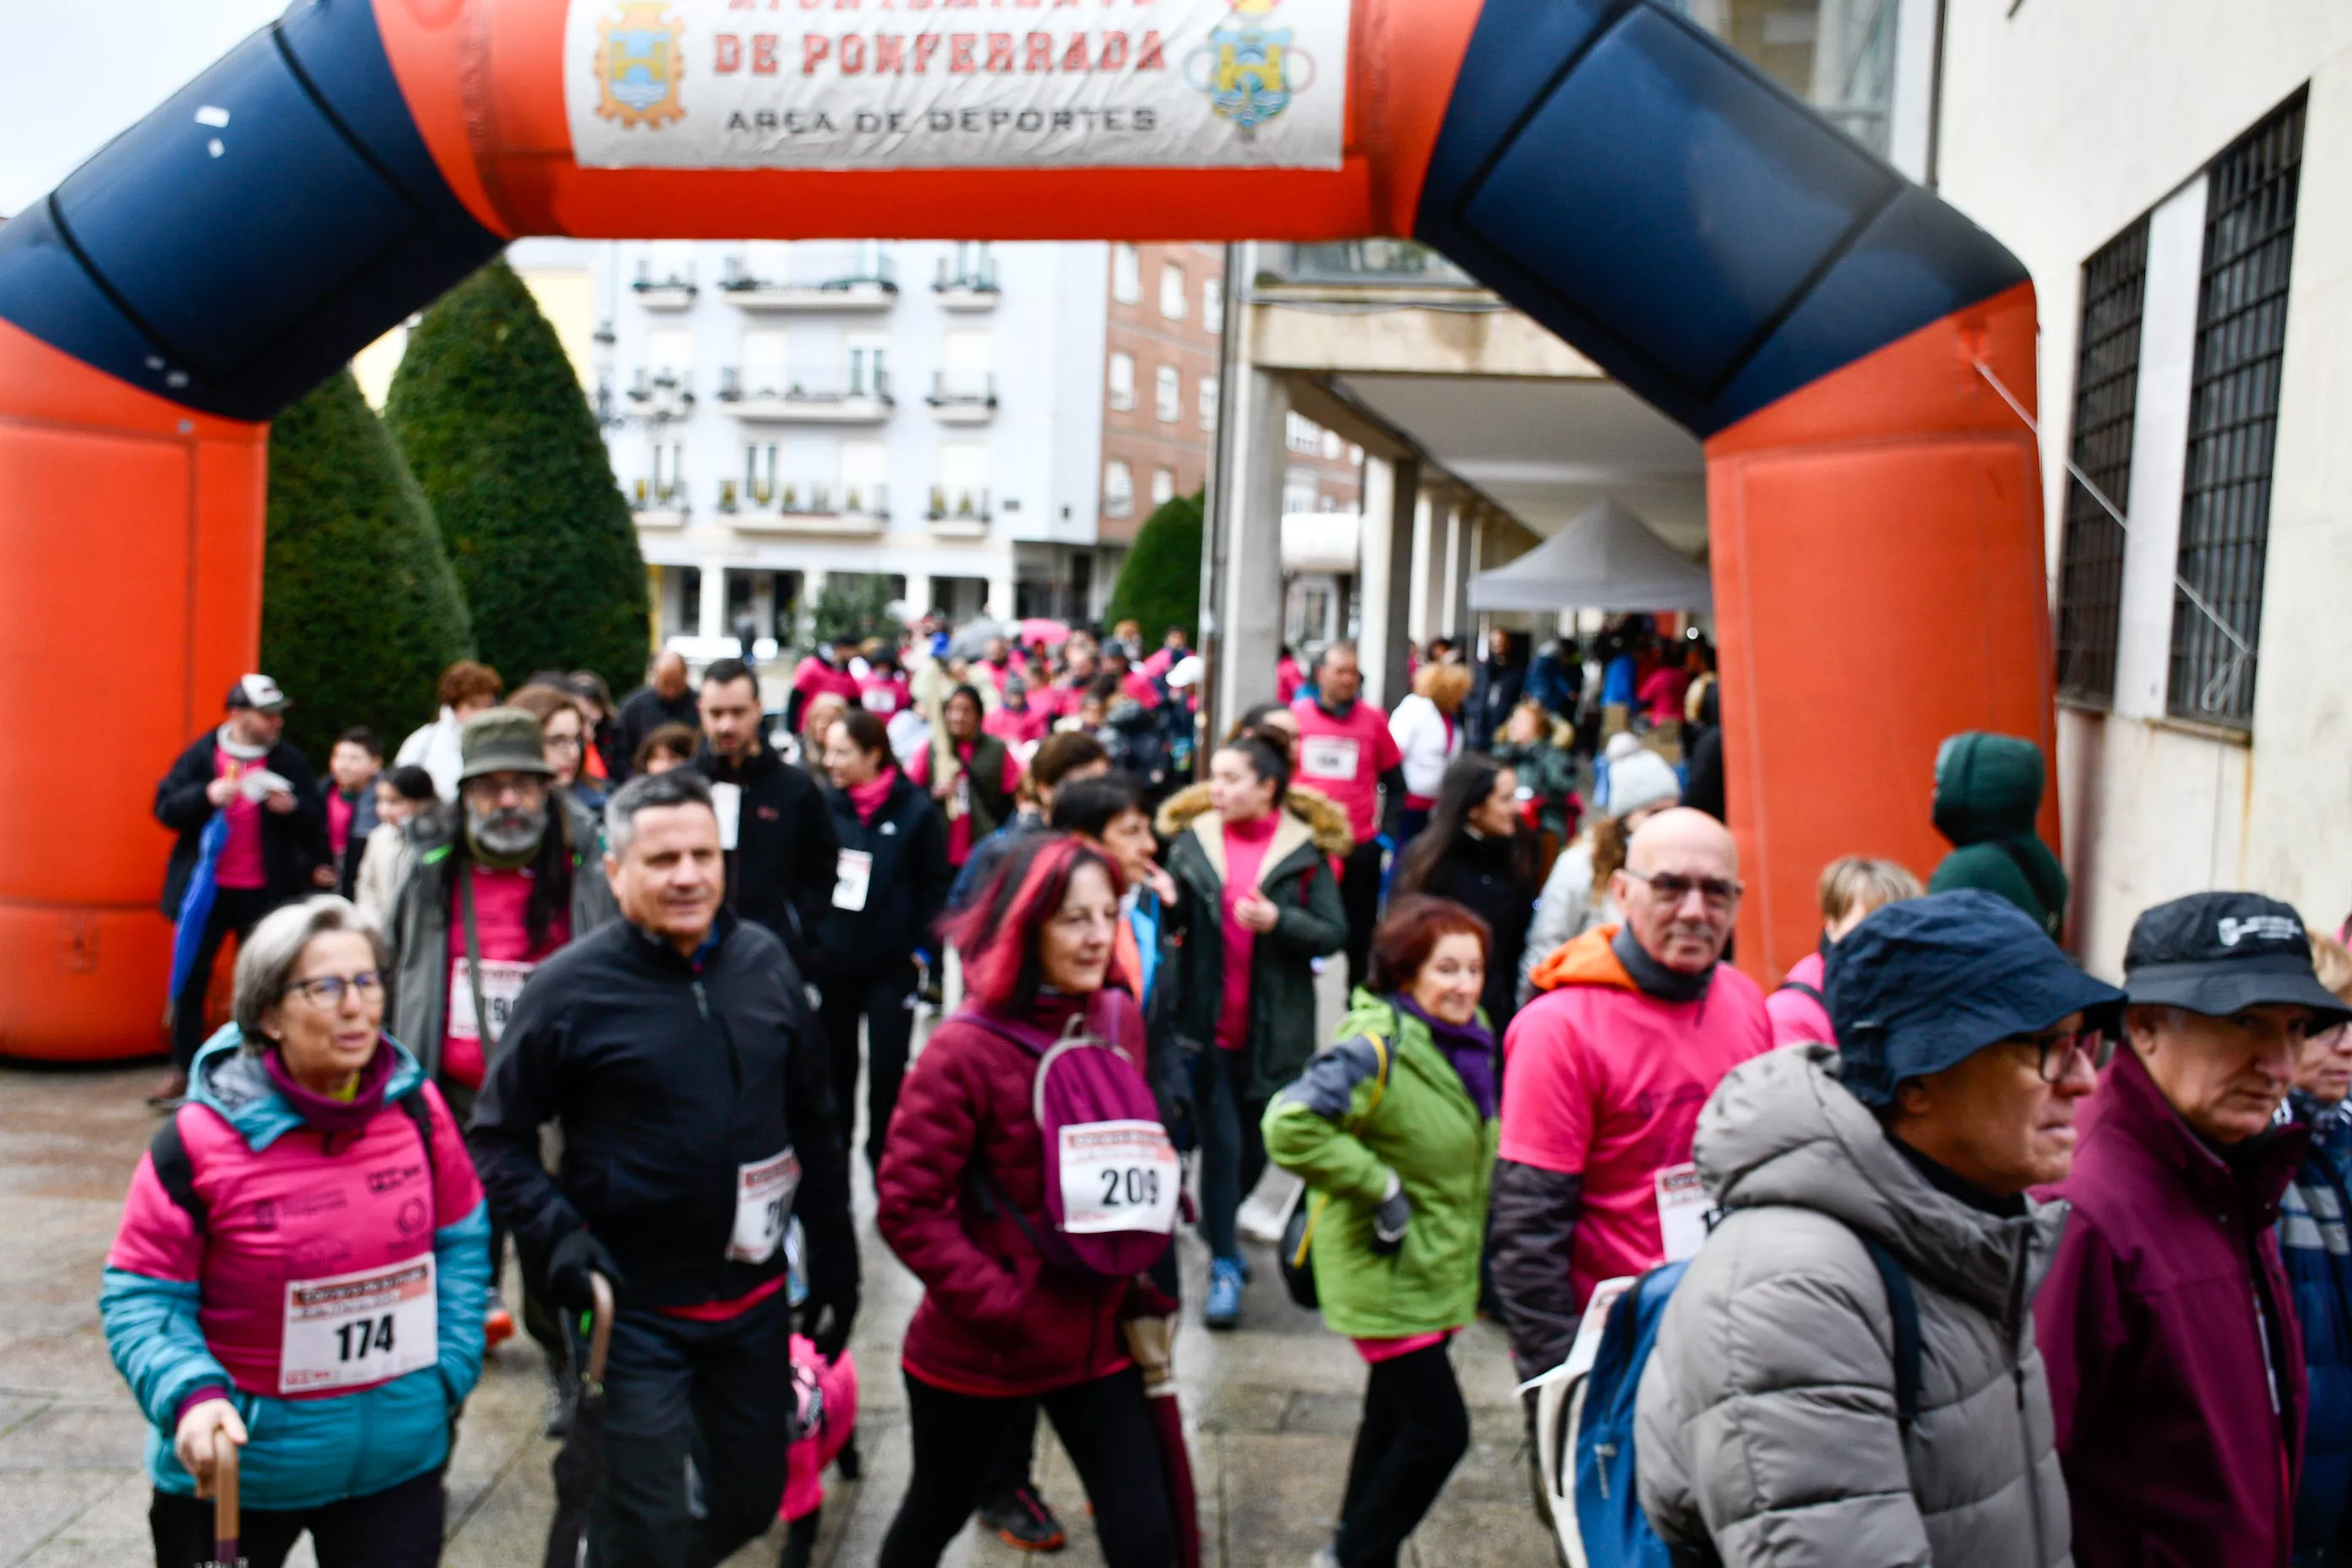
(1223, 1308)
(1020, 1517)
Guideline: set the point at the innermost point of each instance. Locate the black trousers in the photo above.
(1359, 895)
(886, 1002)
(1105, 1424)
(1415, 1430)
(719, 1394)
(399, 1527)
(1017, 1458)
(1233, 1144)
(235, 911)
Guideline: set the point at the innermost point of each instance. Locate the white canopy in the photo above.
(1607, 559)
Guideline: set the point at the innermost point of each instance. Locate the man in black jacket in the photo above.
(664, 699)
(778, 842)
(675, 1048)
(276, 848)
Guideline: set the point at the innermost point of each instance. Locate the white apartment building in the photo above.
(2173, 172)
(778, 413)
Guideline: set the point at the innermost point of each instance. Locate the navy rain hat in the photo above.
(1927, 983)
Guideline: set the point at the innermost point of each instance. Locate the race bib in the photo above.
(501, 985)
(763, 1203)
(879, 699)
(364, 1327)
(1119, 1175)
(1681, 1211)
(1328, 757)
(852, 875)
(727, 800)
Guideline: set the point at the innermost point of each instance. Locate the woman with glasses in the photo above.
(564, 731)
(301, 1268)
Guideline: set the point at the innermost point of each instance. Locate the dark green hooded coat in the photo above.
(1988, 794)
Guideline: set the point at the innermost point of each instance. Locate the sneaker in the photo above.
(174, 1090)
(497, 1328)
(1020, 1517)
(1223, 1308)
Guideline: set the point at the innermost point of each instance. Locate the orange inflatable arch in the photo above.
(1875, 510)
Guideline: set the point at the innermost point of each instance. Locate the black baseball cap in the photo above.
(2216, 954)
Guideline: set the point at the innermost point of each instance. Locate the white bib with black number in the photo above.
(853, 875)
(763, 1203)
(1119, 1175)
(501, 987)
(364, 1327)
(1681, 1211)
(1328, 757)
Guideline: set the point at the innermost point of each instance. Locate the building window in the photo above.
(1208, 403)
(1302, 434)
(1126, 274)
(1122, 381)
(1163, 486)
(2233, 398)
(1173, 298)
(1167, 400)
(1299, 490)
(1212, 303)
(1119, 489)
(2106, 391)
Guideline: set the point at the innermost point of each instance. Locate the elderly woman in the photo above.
(302, 1267)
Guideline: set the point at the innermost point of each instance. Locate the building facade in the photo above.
(1166, 310)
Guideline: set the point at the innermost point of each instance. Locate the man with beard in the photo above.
(500, 881)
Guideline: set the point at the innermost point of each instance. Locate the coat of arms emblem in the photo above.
(638, 65)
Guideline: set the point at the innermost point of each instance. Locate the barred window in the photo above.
(2225, 508)
(2106, 390)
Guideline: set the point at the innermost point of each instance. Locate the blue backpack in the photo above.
(1589, 1458)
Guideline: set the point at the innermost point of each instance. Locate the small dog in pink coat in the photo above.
(828, 1421)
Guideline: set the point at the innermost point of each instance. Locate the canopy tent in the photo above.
(1607, 559)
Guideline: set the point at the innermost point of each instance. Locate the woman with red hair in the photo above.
(962, 1201)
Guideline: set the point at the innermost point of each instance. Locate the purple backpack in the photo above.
(1112, 1176)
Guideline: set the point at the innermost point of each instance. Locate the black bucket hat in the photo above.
(1927, 982)
(2216, 954)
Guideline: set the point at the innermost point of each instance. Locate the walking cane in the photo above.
(226, 1553)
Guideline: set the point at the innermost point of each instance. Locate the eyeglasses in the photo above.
(562, 742)
(2055, 1053)
(1674, 887)
(326, 993)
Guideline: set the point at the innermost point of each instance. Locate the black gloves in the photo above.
(569, 1264)
(1390, 1220)
(828, 1314)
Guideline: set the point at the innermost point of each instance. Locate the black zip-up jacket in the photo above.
(780, 873)
(904, 894)
(292, 843)
(667, 1074)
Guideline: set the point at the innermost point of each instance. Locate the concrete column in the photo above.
(1470, 537)
(1384, 575)
(711, 619)
(999, 588)
(1249, 530)
(1428, 562)
(1442, 516)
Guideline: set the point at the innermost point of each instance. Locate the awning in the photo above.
(1606, 559)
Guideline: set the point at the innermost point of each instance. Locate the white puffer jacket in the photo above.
(1428, 740)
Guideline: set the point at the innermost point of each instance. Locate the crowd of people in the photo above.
(1956, 1252)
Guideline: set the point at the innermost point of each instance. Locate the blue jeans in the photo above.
(1232, 1145)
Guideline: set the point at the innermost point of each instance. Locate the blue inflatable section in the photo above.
(1704, 236)
(289, 178)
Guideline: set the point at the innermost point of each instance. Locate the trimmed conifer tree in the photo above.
(1159, 582)
(360, 610)
(491, 418)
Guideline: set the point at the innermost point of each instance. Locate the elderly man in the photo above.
(1773, 1425)
(1632, 1028)
(665, 699)
(2175, 1372)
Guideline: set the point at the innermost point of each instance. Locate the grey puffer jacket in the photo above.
(1766, 1416)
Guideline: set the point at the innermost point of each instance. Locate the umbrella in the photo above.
(1035, 630)
(197, 903)
(226, 1552)
(580, 1464)
(970, 639)
(1151, 1341)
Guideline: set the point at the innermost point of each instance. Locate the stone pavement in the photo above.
(1271, 1409)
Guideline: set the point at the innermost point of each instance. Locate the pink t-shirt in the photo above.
(1018, 729)
(1662, 691)
(1245, 844)
(1344, 758)
(240, 863)
(339, 823)
(816, 675)
(1604, 1081)
(1288, 679)
(959, 830)
(882, 695)
(1798, 1018)
(501, 904)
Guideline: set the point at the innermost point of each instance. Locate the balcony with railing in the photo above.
(962, 397)
(869, 282)
(1368, 263)
(658, 503)
(959, 511)
(671, 288)
(859, 398)
(805, 507)
(966, 284)
(662, 393)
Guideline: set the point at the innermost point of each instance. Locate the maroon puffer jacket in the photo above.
(994, 1319)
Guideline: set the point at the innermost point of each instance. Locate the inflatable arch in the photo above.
(1875, 512)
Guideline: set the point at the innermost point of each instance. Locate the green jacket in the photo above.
(1297, 877)
(1988, 794)
(1343, 1136)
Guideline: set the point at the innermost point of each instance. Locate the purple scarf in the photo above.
(335, 1115)
(1470, 1047)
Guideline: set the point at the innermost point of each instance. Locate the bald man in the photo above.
(1631, 1029)
(664, 699)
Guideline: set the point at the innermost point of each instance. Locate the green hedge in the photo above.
(360, 610)
(1159, 582)
(491, 418)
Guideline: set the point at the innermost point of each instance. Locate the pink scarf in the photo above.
(868, 796)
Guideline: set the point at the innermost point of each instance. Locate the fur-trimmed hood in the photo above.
(1324, 817)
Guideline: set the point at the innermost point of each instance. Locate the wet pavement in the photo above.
(1270, 1409)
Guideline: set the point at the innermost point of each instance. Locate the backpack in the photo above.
(1298, 1231)
(1584, 1416)
(168, 1152)
(1112, 1178)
